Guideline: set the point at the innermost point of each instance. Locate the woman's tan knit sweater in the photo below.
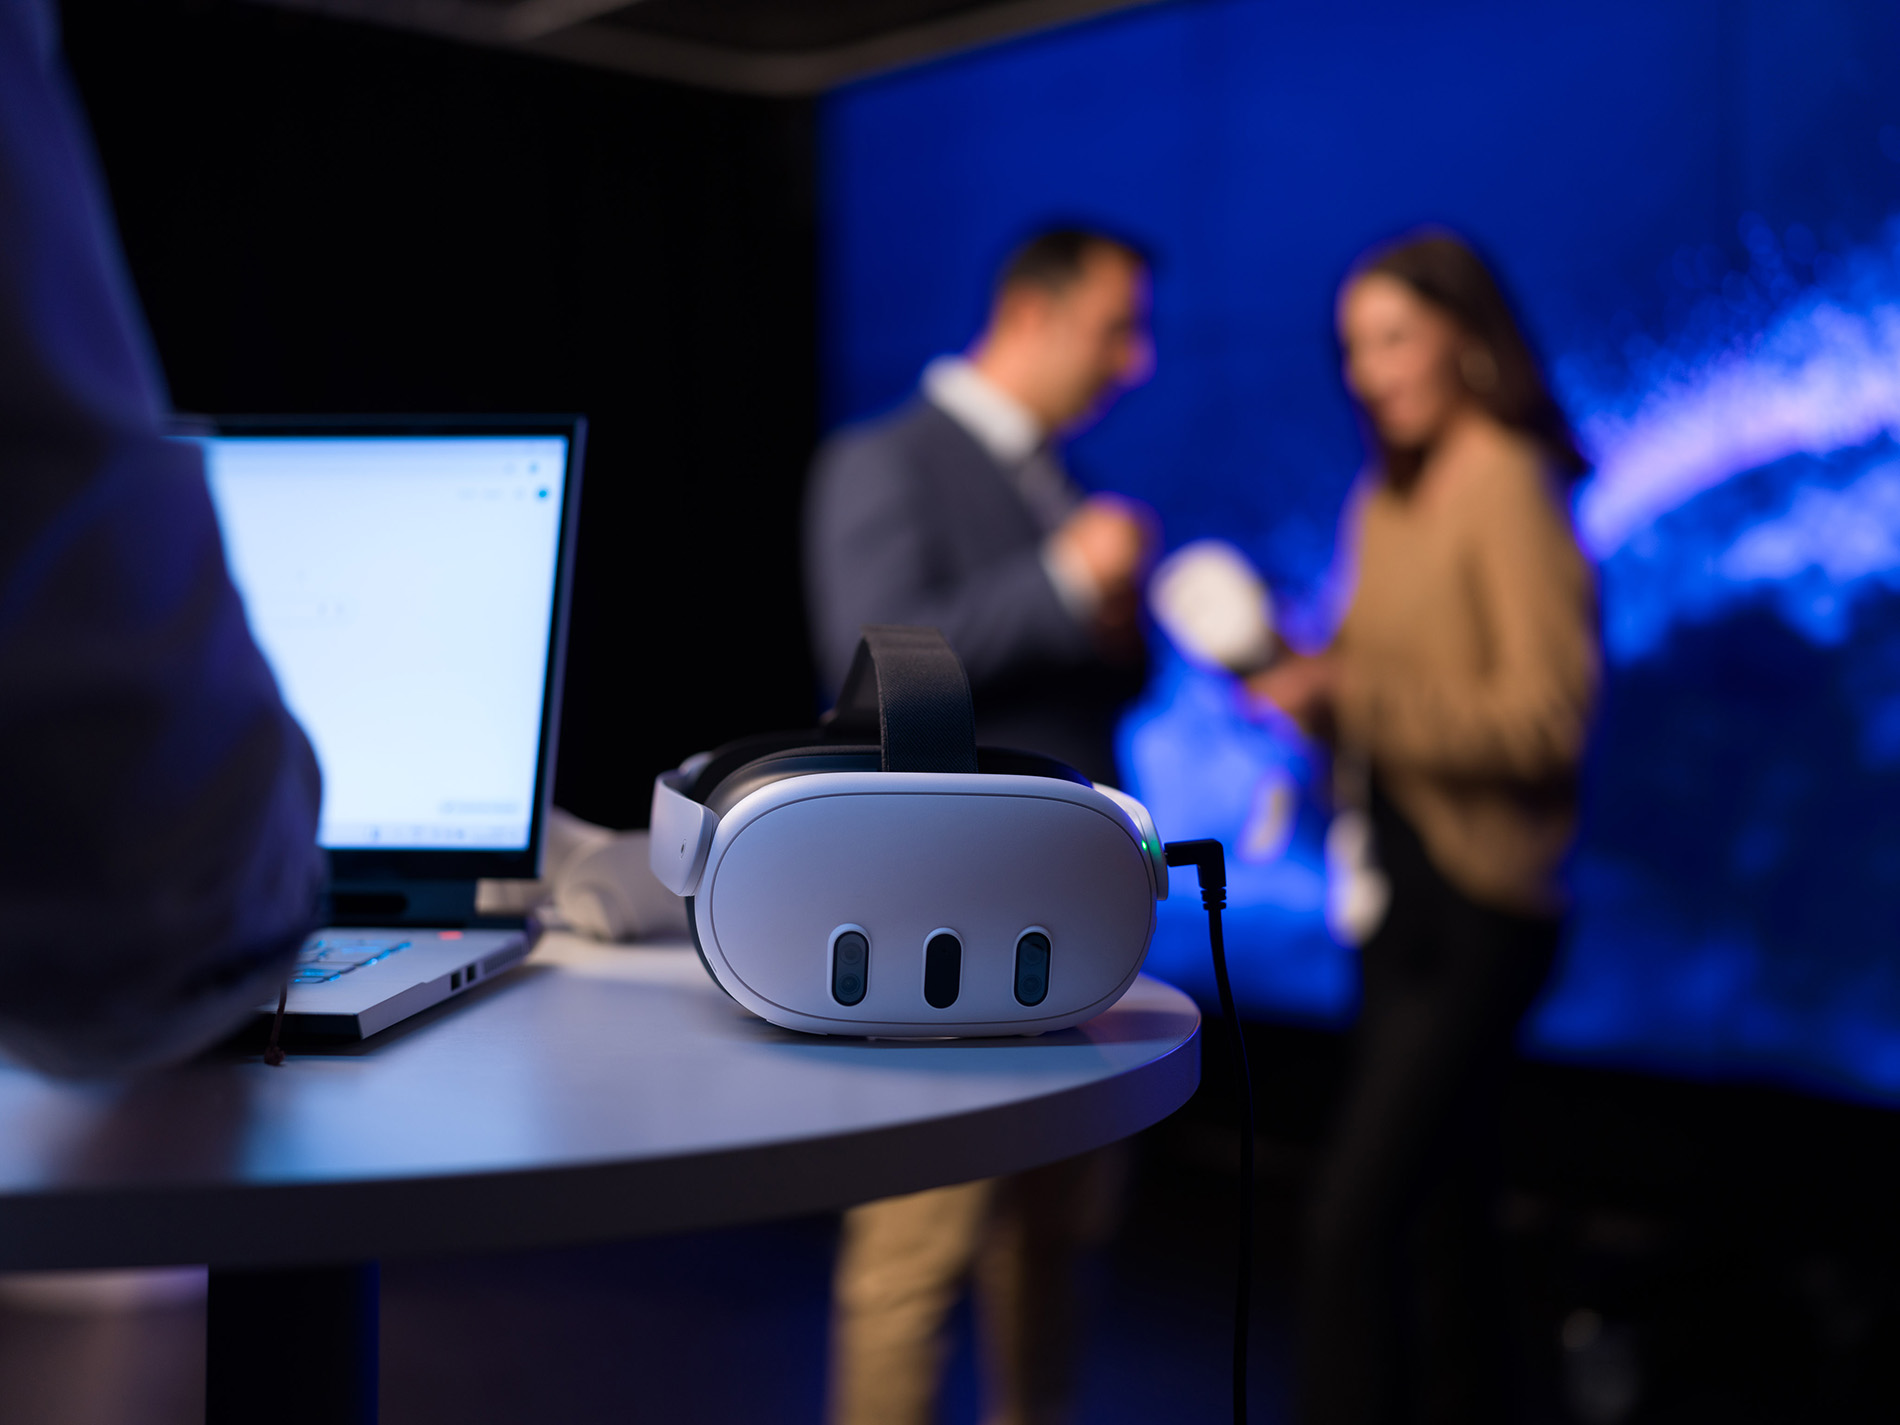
(1468, 662)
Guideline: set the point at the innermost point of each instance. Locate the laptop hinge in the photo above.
(419, 903)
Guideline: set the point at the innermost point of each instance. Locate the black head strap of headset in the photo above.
(908, 687)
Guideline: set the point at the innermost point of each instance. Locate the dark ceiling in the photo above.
(788, 47)
(781, 25)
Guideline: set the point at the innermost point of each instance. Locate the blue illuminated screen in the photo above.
(402, 589)
(1697, 210)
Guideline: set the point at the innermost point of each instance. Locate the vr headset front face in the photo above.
(831, 895)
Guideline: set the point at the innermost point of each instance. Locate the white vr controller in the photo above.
(885, 876)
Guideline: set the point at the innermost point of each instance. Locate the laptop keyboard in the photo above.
(328, 957)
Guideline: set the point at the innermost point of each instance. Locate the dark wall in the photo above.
(324, 217)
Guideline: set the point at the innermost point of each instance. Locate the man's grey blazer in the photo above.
(908, 519)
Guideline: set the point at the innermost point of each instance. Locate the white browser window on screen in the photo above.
(402, 589)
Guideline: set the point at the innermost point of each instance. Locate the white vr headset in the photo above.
(885, 875)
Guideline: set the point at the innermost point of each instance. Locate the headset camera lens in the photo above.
(1032, 968)
(850, 956)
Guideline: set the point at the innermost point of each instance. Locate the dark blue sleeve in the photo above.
(158, 805)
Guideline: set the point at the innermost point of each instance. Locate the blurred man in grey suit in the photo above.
(956, 513)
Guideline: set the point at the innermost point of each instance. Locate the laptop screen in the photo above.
(404, 589)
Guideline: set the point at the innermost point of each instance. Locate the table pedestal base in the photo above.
(292, 1347)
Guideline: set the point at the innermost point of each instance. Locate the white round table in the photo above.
(598, 1092)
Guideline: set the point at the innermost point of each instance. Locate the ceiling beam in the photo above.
(785, 74)
(531, 19)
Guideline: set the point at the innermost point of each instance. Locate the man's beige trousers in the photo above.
(903, 1262)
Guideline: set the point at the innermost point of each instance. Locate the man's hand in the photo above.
(1111, 537)
(1110, 542)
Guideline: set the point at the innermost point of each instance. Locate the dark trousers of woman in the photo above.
(1403, 1314)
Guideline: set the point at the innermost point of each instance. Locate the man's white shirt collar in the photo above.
(1001, 424)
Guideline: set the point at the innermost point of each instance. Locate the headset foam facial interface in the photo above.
(885, 875)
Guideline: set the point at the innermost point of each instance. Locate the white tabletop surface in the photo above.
(598, 1092)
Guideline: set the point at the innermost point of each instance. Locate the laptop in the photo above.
(408, 581)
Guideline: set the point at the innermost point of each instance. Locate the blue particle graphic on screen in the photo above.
(1736, 891)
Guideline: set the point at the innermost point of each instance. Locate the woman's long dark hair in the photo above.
(1444, 270)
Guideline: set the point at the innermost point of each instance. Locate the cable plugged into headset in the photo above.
(1210, 868)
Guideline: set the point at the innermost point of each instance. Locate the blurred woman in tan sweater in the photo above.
(1459, 692)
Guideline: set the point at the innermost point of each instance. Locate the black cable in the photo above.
(1210, 866)
(273, 1051)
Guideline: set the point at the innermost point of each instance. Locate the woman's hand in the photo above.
(1299, 686)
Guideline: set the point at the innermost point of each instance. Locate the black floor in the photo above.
(1681, 1254)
